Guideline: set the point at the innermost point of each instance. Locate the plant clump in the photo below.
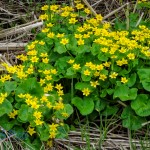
(76, 61)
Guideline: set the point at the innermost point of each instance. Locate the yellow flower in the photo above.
(71, 61)
(124, 80)
(21, 95)
(45, 7)
(37, 114)
(29, 71)
(87, 11)
(94, 84)
(50, 35)
(72, 20)
(79, 6)
(131, 56)
(45, 60)
(49, 143)
(31, 46)
(53, 71)
(59, 86)
(99, 67)
(80, 42)
(42, 81)
(99, 17)
(65, 14)
(49, 25)
(52, 135)
(60, 92)
(32, 53)
(76, 66)
(42, 43)
(44, 99)
(43, 54)
(113, 75)
(13, 114)
(78, 36)
(58, 106)
(86, 72)
(54, 8)
(46, 72)
(53, 127)
(48, 77)
(31, 131)
(102, 77)
(34, 59)
(60, 35)
(64, 114)
(49, 105)
(86, 91)
(34, 105)
(38, 122)
(64, 41)
(43, 17)
(45, 30)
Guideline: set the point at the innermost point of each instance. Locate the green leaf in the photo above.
(146, 85)
(62, 131)
(10, 86)
(82, 49)
(85, 78)
(110, 110)
(141, 105)
(82, 85)
(6, 123)
(102, 57)
(67, 109)
(70, 72)
(30, 86)
(59, 48)
(5, 107)
(43, 132)
(85, 106)
(124, 93)
(100, 105)
(132, 80)
(95, 49)
(131, 120)
(144, 75)
(24, 113)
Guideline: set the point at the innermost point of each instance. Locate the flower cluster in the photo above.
(74, 60)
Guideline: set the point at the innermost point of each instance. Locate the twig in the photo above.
(127, 18)
(96, 3)
(20, 30)
(89, 6)
(138, 22)
(12, 46)
(114, 11)
(2, 9)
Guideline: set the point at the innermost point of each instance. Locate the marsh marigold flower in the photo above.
(76, 66)
(64, 41)
(124, 80)
(31, 131)
(86, 91)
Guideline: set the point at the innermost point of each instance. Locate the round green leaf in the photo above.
(85, 106)
(141, 105)
(24, 113)
(131, 120)
(5, 107)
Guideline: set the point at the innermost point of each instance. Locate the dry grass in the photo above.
(19, 24)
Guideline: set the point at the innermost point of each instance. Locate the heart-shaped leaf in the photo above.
(85, 106)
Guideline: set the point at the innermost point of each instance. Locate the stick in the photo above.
(114, 11)
(20, 30)
(12, 46)
(89, 6)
